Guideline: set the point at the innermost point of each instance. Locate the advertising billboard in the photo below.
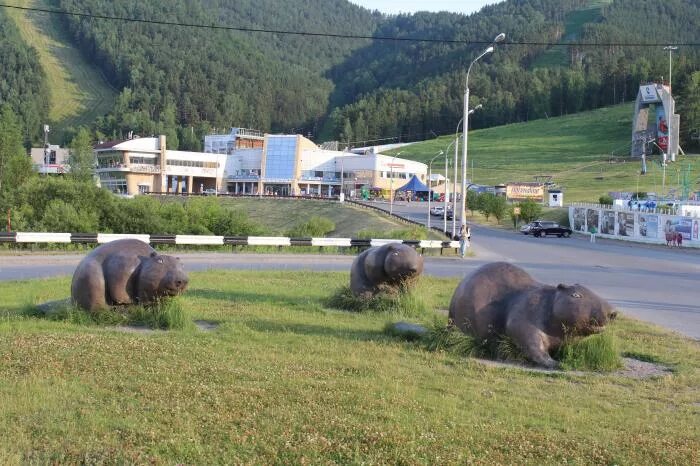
(625, 224)
(649, 94)
(607, 223)
(523, 191)
(592, 219)
(580, 219)
(661, 128)
(648, 226)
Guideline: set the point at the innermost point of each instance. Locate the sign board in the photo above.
(516, 210)
(661, 128)
(649, 94)
(522, 191)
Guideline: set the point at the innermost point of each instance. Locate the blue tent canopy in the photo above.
(414, 185)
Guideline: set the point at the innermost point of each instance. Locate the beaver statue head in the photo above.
(160, 276)
(578, 311)
(402, 262)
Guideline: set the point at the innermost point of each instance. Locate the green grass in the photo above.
(287, 380)
(278, 216)
(576, 150)
(79, 93)
(596, 353)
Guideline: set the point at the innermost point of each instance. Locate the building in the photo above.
(294, 165)
(50, 160)
(247, 162)
(143, 165)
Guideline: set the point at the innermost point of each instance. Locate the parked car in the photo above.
(542, 228)
(209, 192)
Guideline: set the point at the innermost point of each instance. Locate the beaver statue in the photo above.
(125, 271)
(384, 268)
(501, 299)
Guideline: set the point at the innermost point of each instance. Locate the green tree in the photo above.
(82, 157)
(530, 210)
(498, 206)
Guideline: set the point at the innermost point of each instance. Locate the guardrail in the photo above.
(101, 238)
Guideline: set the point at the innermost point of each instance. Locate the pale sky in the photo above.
(411, 6)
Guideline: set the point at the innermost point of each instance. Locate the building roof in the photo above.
(109, 144)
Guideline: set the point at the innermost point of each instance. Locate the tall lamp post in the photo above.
(447, 186)
(391, 185)
(669, 118)
(489, 49)
(430, 176)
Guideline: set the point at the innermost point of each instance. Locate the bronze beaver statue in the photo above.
(384, 268)
(125, 271)
(500, 299)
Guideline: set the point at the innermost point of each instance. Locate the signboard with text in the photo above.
(523, 191)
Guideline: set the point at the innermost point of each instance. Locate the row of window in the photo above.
(397, 175)
(191, 163)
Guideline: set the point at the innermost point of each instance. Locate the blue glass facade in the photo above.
(281, 157)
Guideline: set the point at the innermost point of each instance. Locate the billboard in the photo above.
(580, 219)
(625, 224)
(523, 191)
(649, 226)
(592, 219)
(607, 223)
(661, 128)
(649, 94)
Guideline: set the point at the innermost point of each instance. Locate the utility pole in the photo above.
(672, 110)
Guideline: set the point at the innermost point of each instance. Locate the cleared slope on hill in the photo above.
(79, 93)
(584, 153)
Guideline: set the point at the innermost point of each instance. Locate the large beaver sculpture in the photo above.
(384, 268)
(500, 299)
(125, 271)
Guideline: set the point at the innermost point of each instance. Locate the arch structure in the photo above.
(662, 132)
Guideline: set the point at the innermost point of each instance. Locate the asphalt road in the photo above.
(655, 284)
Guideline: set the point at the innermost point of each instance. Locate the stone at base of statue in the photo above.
(387, 268)
(123, 272)
(408, 330)
(501, 299)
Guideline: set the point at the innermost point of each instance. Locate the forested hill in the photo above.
(183, 81)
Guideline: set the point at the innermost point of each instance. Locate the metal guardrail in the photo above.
(280, 241)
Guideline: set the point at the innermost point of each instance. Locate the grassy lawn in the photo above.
(284, 379)
(79, 93)
(278, 216)
(583, 153)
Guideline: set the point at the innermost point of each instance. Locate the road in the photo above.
(655, 284)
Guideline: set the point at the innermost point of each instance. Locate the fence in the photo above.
(280, 241)
(632, 225)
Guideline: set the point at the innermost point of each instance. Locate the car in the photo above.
(544, 228)
(437, 211)
(209, 192)
(525, 229)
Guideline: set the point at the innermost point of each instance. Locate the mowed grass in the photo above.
(278, 216)
(286, 380)
(79, 93)
(584, 153)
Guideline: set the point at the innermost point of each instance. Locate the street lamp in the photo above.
(669, 118)
(430, 176)
(391, 185)
(499, 38)
(454, 183)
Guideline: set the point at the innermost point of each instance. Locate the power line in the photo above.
(345, 36)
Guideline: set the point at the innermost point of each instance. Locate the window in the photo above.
(318, 174)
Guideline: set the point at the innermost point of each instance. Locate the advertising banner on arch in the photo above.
(661, 128)
(649, 94)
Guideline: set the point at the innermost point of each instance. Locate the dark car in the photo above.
(541, 228)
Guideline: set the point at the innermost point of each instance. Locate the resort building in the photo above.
(51, 160)
(248, 162)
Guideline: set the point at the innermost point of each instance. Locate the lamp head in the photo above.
(489, 50)
(499, 38)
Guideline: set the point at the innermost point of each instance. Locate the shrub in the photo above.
(416, 232)
(498, 206)
(605, 199)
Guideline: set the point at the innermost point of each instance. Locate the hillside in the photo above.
(586, 154)
(79, 94)
(185, 81)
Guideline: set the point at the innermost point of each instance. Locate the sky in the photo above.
(410, 6)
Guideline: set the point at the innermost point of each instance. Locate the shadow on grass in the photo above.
(260, 325)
